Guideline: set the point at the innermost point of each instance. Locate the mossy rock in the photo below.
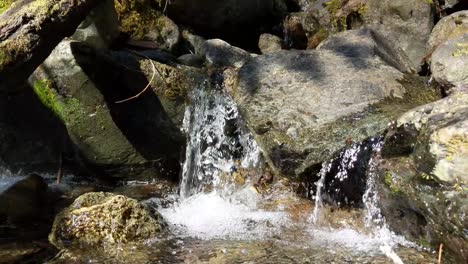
(104, 218)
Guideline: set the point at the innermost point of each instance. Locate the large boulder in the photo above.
(407, 24)
(448, 47)
(423, 175)
(100, 28)
(233, 20)
(135, 138)
(25, 201)
(304, 106)
(104, 218)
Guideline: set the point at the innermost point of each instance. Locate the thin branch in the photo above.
(147, 86)
(441, 249)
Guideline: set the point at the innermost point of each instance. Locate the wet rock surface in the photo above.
(303, 106)
(100, 218)
(423, 174)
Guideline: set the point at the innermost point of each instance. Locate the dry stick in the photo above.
(147, 86)
(441, 249)
(60, 169)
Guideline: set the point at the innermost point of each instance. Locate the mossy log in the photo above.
(30, 30)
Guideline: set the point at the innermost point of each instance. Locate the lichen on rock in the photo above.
(98, 218)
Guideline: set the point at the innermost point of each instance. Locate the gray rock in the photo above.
(368, 43)
(227, 18)
(196, 43)
(100, 28)
(135, 139)
(304, 106)
(165, 33)
(26, 201)
(268, 43)
(219, 53)
(192, 60)
(407, 24)
(448, 28)
(100, 218)
(448, 63)
(437, 133)
(422, 176)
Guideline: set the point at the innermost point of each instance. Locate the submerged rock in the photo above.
(26, 201)
(134, 139)
(423, 175)
(304, 106)
(100, 218)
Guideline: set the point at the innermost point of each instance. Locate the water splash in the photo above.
(318, 193)
(215, 143)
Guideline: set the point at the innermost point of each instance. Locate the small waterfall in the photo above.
(216, 145)
(318, 193)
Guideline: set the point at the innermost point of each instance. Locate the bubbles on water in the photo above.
(211, 216)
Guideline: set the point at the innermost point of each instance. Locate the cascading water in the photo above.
(211, 205)
(213, 151)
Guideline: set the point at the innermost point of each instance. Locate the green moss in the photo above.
(136, 17)
(337, 22)
(5, 4)
(462, 49)
(392, 184)
(66, 109)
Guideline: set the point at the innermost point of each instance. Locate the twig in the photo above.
(147, 86)
(441, 249)
(60, 169)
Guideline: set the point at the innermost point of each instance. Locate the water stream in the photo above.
(218, 206)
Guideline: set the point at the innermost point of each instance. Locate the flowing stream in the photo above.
(218, 206)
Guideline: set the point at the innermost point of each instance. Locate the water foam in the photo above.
(212, 216)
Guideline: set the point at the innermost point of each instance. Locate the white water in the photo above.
(211, 207)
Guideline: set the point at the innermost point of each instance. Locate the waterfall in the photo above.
(217, 144)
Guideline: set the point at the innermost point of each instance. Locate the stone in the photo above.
(134, 139)
(268, 43)
(407, 24)
(101, 28)
(231, 20)
(26, 201)
(437, 134)
(448, 63)
(449, 27)
(304, 106)
(422, 180)
(165, 33)
(219, 53)
(99, 218)
(193, 60)
(367, 42)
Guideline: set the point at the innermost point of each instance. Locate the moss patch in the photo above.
(137, 17)
(5, 4)
(462, 49)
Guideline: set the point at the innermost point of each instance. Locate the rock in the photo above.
(406, 23)
(232, 20)
(304, 106)
(100, 28)
(31, 142)
(437, 133)
(368, 43)
(422, 176)
(268, 43)
(165, 33)
(219, 53)
(193, 60)
(135, 139)
(26, 201)
(137, 17)
(194, 42)
(448, 63)
(448, 28)
(99, 218)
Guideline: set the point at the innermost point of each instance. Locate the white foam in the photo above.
(210, 216)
